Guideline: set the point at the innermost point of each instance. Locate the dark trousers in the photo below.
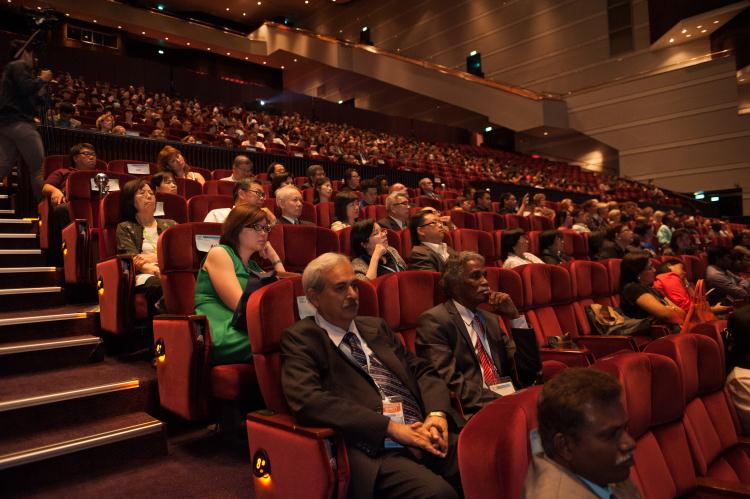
(152, 289)
(21, 139)
(59, 218)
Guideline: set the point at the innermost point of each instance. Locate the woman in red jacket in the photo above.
(671, 281)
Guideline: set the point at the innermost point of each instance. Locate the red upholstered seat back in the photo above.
(694, 267)
(477, 241)
(406, 243)
(344, 236)
(56, 161)
(533, 236)
(218, 187)
(613, 269)
(517, 222)
(493, 458)
(403, 297)
(576, 244)
(710, 418)
(548, 294)
(121, 166)
(199, 206)
(179, 261)
(221, 173)
(297, 245)
(83, 203)
(490, 222)
(175, 207)
(590, 282)
(309, 213)
(652, 388)
(270, 311)
(506, 281)
(205, 172)
(540, 223)
(188, 188)
(375, 211)
(324, 214)
(463, 219)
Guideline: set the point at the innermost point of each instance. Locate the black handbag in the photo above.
(255, 281)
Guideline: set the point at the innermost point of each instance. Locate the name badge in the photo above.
(299, 155)
(505, 387)
(159, 211)
(304, 307)
(138, 169)
(393, 409)
(204, 242)
(114, 185)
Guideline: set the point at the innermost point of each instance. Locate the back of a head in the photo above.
(547, 238)
(508, 240)
(565, 400)
(632, 265)
(716, 253)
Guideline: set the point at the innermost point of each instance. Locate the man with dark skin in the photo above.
(588, 452)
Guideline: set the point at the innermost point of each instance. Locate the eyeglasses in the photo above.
(258, 193)
(402, 203)
(87, 153)
(259, 228)
(434, 222)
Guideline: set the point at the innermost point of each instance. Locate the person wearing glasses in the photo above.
(138, 236)
(397, 209)
(638, 298)
(371, 254)
(429, 251)
(224, 275)
(246, 192)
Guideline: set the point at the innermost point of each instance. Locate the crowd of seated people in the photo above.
(110, 109)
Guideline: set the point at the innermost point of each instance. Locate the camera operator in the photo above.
(19, 97)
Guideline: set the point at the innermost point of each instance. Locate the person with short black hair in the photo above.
(369, 190)
(671, 281)
(587, 451)
(726, 285)
(563, 220)
(65, 119)
(351, 180)
(382, 182)
(551, 247)
(248, 192)
(617, 242)
(314, 172)
(371, 254)
(509, 204)
(680, 244)
(275, 169)
(638, 298)
(138, 236)
(280, 181)
(514, 245)
(579, 220)
(19, 100)
(482, 201)
(429, 251)
(242, 167)
(345, 210)
(163, 182)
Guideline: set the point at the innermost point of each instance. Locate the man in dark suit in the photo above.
(427, 188)
(429, 251)
(397, 209)
(289, 199)
(466, 345)
(352, 374)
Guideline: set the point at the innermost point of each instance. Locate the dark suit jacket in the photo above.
(324, 388)
(284, 221)
(443, 339)
(423, 258)
(389, 223)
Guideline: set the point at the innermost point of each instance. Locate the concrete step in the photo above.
(20, 225)
(30, 276)
(49, 323)
(31, 298)
(41, 355)
(11, 240)
(22, 258)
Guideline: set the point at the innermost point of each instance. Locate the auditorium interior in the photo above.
(594, 118)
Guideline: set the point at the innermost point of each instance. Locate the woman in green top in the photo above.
(223, 277)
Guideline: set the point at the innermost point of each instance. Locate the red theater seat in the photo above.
(131, 167)
(199, 206)
(540, 223)
(324, 214)
(221, 173)
(463, 219)
(477, 241)
(517, 222)
(489, 222)
(187, 381)
(298, 245)
(375, 211)
(218, 187)
(613, 270)
(713, 430)
(576, 244)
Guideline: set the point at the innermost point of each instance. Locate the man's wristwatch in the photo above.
(437, 414)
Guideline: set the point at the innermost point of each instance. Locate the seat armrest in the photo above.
(601, 346)
(659, 331)
(573, 357)
(77, 256)
(288, 423)
(722, 488)
(115, 284)
(44, 208)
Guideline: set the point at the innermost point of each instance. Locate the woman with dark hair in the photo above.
(224, 275)
(170, 159)
(551, 247)
(644, 238)
(345, 209)
(515, 249)
(638, 299)
(371, 255)
(322, 190)
(671, 281)
(382, 182)
(680, 244)
(138, 236)
(163, 182)
(279, 181)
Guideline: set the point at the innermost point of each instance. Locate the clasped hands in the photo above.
(428, 436)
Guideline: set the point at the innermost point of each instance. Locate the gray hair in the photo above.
(241, 158)
(312, 277)
(285, 192)
(393, 199)
(453, 274)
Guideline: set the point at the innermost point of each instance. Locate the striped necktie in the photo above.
(389, 384)
(489, 373)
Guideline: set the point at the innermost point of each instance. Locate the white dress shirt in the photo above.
(336, 334)
(441, 249)
(217, 215)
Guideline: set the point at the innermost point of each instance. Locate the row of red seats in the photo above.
(688, 439)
